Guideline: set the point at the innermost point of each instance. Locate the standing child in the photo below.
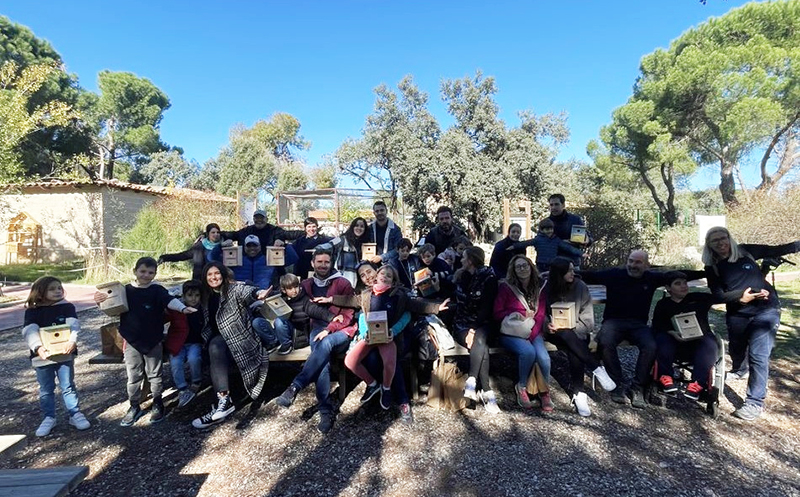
(385, 295)
(46, 307)
(185, 344)
(548, 246)
(142, 328)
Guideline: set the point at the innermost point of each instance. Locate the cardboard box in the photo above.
(276, 256)
(232, 256)
(579, 235)
(275, 307)
(564, 317)
(55, 339)
(423, 280)
(117, 301)
(368, 251)
(686, 327)
(378, 328)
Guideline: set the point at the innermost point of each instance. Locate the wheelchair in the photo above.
(709, 399)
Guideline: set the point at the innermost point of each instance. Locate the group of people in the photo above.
(332, 289)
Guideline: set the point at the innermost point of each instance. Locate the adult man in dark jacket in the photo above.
(268, 234)
(563, 222)
(384, 234)
(444, 233)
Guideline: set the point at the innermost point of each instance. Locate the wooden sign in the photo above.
(276, 256)
(378, 328)
(563, 317)
(55, 339)
(368, 251)
(232, 256)
(275, 307)
(117, 301)
(579, 235)
(686, 327)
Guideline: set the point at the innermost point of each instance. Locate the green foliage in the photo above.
(168, 169)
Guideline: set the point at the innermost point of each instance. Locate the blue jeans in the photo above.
(280, 332)
(317, 367)
(46, 376)
(193, 354)
(528, 353)
(756, 334)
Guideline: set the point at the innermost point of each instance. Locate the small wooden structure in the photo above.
(232, 256)
(369, 250)
(55, 339)
(276, 256)
(275, 307)
(686, 327)
(378, 328)
(24, 239)
(117, 301)
(563, 317)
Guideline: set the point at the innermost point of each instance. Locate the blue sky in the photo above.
(223, 63)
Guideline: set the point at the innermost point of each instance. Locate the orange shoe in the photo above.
(693, 391)
(667, 385)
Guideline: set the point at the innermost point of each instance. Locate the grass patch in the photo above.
(65, 271)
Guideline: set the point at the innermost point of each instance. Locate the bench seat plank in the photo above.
(48, 482)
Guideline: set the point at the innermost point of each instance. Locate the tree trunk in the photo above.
(727, 184)
(112, 148)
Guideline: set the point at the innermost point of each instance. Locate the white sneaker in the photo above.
(47, 425)
(605, 381)
(469, 389)
(490, 402)
(581, 402)
(79, 421)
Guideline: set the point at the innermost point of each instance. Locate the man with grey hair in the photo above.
(629, 295)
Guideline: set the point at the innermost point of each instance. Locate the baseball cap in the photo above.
(260, 212)
(252, 239)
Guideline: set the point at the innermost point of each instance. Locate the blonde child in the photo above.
(46, 306)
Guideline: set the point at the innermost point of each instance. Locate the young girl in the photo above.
(46, 307)
(385, 295)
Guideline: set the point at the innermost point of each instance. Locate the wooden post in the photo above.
(506, 216)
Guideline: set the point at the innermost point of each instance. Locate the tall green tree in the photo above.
(168, 169)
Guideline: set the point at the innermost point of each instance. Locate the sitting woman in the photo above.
(753, 311)
(520, 308)
(347, 249)
(476, 288)
(563, 286)
(702, 352)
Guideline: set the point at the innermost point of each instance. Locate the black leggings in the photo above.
(578, 355)
(220, 360)
(478, 354)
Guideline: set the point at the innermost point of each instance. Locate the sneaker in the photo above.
(272, 347)
(287, 397)
(286, 349)
(185, 396)
(207, 420)
(693, 391)
(370, 392)
(469, 389)
(667, 384)
(637, 398)
(133, 414)
(547, 402)
(405, 414)
(581, 403)
(618, 395)
(326, 420)
(224, 408)
(490, 402)
(157, 412)
(386, 398)
(79, 421)
(738, 375)
(605, 381)
(749, 412)
(522, 397)
(46, 427)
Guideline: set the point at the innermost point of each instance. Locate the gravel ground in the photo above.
(266, 450)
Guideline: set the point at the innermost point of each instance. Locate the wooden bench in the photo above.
(44, 482)
(11, 443)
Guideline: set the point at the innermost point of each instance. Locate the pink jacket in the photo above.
(507, 303)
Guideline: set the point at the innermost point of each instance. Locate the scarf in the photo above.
(379, 288)
(208, 244)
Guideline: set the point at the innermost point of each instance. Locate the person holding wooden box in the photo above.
(51, 356)
(268, 234)
(572, 335)
(564, 222)
(207, 248)
(384, 234)
(702, 351)
(548, 246)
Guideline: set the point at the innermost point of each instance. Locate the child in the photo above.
(385, 295)
(548, 246)
(440, 271)
(185, 344)
(406, 263)
(142, 328)
(303, 310)
(46, 307)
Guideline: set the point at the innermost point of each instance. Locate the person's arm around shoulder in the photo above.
(764, 251)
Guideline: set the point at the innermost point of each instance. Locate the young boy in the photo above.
(548, 246)
(406, 263)
(303, 310)
(142, 327)
(185, 343)
(440, 271)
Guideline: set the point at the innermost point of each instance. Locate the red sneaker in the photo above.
(693, 391)
(667, 385)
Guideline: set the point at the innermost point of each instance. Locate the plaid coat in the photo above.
(235, 326)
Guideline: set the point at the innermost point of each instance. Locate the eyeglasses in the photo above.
(522, 266)
(717, 241)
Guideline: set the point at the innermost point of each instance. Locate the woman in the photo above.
(230, 337)
(204, 250)
(305, 245)
(752, 309)
(348, 249)
(476, 288)
(563, 286)
(503, 252)
(520, 308)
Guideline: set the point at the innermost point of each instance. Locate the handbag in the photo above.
(515, 324)
(447, 386)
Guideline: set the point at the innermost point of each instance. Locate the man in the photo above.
(384, 234)
(254, 267)
(629, 294)
(268, 235)
(328, 339)
(563, 222)
(444, 233)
